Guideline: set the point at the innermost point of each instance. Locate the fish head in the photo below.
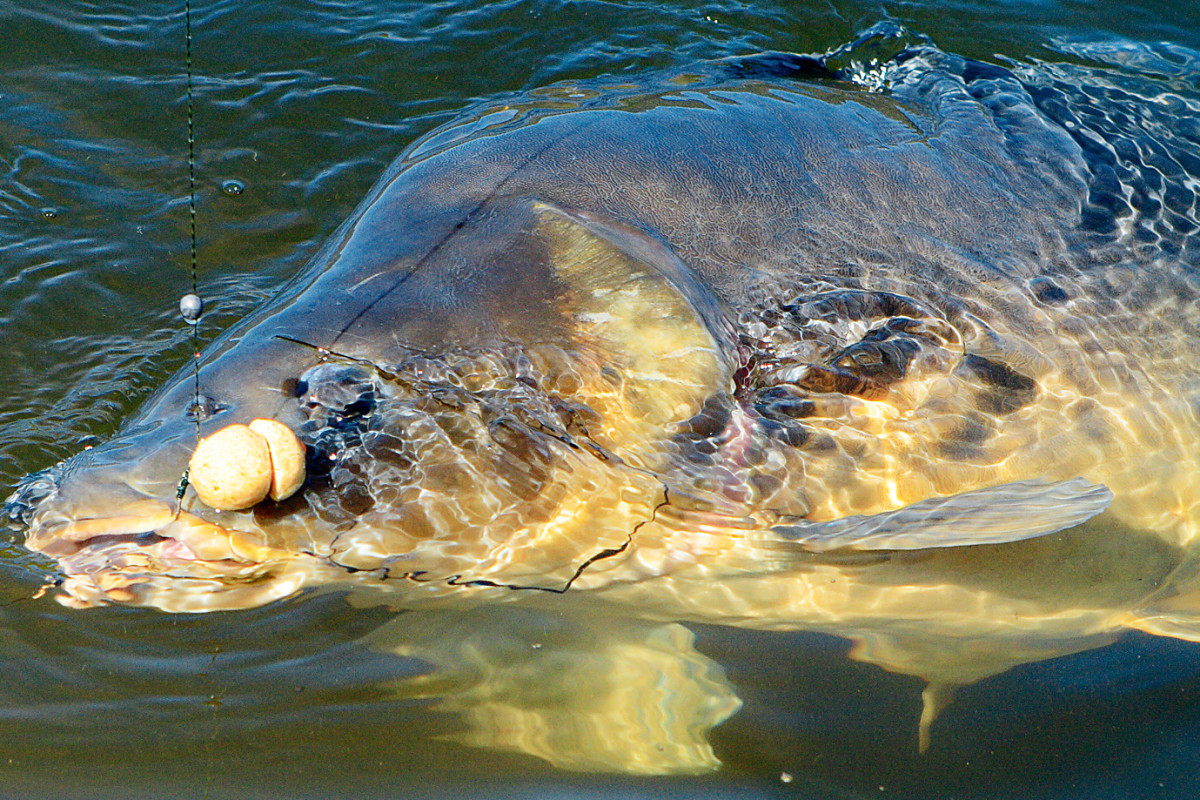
(488, 409)
(121, 512)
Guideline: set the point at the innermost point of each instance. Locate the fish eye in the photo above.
(344, 390)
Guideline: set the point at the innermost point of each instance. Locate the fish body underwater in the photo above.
(749, 344)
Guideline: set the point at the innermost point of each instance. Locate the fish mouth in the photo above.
(170, 532)
(149, 552)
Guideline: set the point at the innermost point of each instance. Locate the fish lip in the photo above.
(59, 536)
(157, 531)
(187, 564)
(77, 522)
(68, 548)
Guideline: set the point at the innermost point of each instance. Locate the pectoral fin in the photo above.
(661, 338)
(995, 515)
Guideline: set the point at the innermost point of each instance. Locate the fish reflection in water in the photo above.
(748, 345)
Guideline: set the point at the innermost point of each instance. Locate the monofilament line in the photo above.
(190, 305)
(191, 140)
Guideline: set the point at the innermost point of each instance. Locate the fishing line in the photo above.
(190, 305)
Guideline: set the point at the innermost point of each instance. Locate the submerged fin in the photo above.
(995, 515)
(584, 691)
(1174, 610)
(934, 699)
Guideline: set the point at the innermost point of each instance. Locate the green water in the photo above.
(302, 106)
